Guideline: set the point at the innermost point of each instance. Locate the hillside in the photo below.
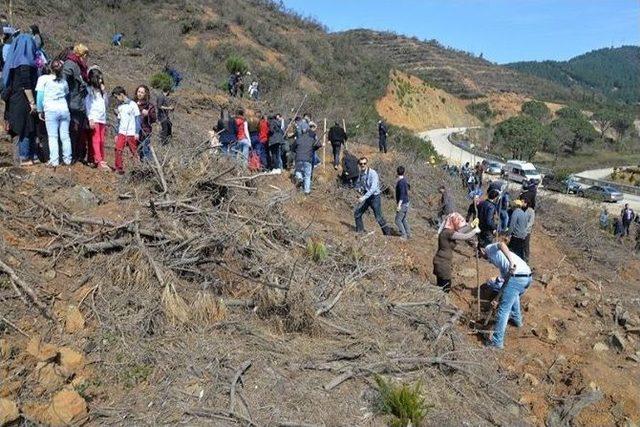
(197, 292)
(611, 72)
(458, 73)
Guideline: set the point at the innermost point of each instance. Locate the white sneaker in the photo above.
(276, 171)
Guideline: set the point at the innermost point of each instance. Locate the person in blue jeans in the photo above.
(503, 210)
(514, 280)
(402, 200)
(304, 147)
(369, 186)
(53, 109)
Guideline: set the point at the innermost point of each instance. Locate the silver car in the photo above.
(602, 193)
(493, 168)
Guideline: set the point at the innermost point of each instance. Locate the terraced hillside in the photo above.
(459, 73)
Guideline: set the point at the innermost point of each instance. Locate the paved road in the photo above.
(440, 140)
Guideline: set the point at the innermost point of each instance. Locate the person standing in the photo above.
(76, 73)
(304, 147)
(129, 127)
(479, 174)
(52, 104)
(263, 141)
(402, 201)
(487, 210)
(276, 142)
(504, 203)
(337, 137)
(516, 276)
(383, 132)
(148, 117)
(96, 104)
(243, 141)
(454, 228)
(531, 217)
(164, 107)
(604, 219)
(369, 186)
(627, 215)
(20, 76)
(518, 229)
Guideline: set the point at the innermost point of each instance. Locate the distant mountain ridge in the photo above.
(611, 72)
(459, 73)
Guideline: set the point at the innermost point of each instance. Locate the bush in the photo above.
(482, 110)
(161, 81)
(188, 25)
(405, 403)
(317, 250)
(236, 64)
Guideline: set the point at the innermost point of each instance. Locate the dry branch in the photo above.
(26, 288)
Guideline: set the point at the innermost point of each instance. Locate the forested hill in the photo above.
(613, 72)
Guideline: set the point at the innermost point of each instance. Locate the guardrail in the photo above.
(629, 189)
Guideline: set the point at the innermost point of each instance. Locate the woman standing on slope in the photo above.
(19, 77)
(52, 102)
(454, 228)
(96, 104)
(76, 74)
(147, 118)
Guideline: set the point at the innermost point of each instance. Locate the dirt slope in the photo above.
(411, 103)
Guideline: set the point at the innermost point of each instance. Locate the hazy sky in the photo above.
(503, 30)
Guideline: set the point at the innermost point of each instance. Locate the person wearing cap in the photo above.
(518, 228)
(383, 132)
(515, 279)
(369, 186)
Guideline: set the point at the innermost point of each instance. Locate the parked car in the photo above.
(491, 167)
(519, 171)
(602, 193)
(567, 185)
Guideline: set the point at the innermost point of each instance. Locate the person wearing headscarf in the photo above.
(453, 228)
(76, 72)
(20, 76)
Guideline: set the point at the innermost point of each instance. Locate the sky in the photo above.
(502, 30)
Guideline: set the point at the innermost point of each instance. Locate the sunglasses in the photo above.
(362, 164)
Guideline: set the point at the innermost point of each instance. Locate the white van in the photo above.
(519, 171)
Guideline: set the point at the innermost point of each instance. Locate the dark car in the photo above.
(567, 185)
(602, 193)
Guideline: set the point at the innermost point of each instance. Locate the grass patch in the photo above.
(317, 250)
(404, 403)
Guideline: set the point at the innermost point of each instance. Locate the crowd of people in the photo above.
(57, 110)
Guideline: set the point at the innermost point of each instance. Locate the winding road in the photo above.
(440, 140)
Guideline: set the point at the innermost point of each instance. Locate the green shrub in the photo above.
(404, 403)
(317, 250)
(188, 25)
(161, 81)
(236, 64)
(482, 110)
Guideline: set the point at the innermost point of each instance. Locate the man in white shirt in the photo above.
(516, 276)
(129, 127)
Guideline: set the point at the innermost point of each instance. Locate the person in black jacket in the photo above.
(304, 146)
(402, 201)
(226, 129)
(276, 142)
(337, 137)
(350, 171)
(382, 136)
(487, 211)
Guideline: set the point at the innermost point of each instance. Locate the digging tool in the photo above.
(324, 147)
(475, 206)
(296, 114)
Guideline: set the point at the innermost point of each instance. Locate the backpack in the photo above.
(254, 161)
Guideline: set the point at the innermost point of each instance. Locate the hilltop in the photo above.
(459, 73)
(613, 73)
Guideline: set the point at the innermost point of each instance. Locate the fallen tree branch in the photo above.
(26, 288)
(232, 392)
